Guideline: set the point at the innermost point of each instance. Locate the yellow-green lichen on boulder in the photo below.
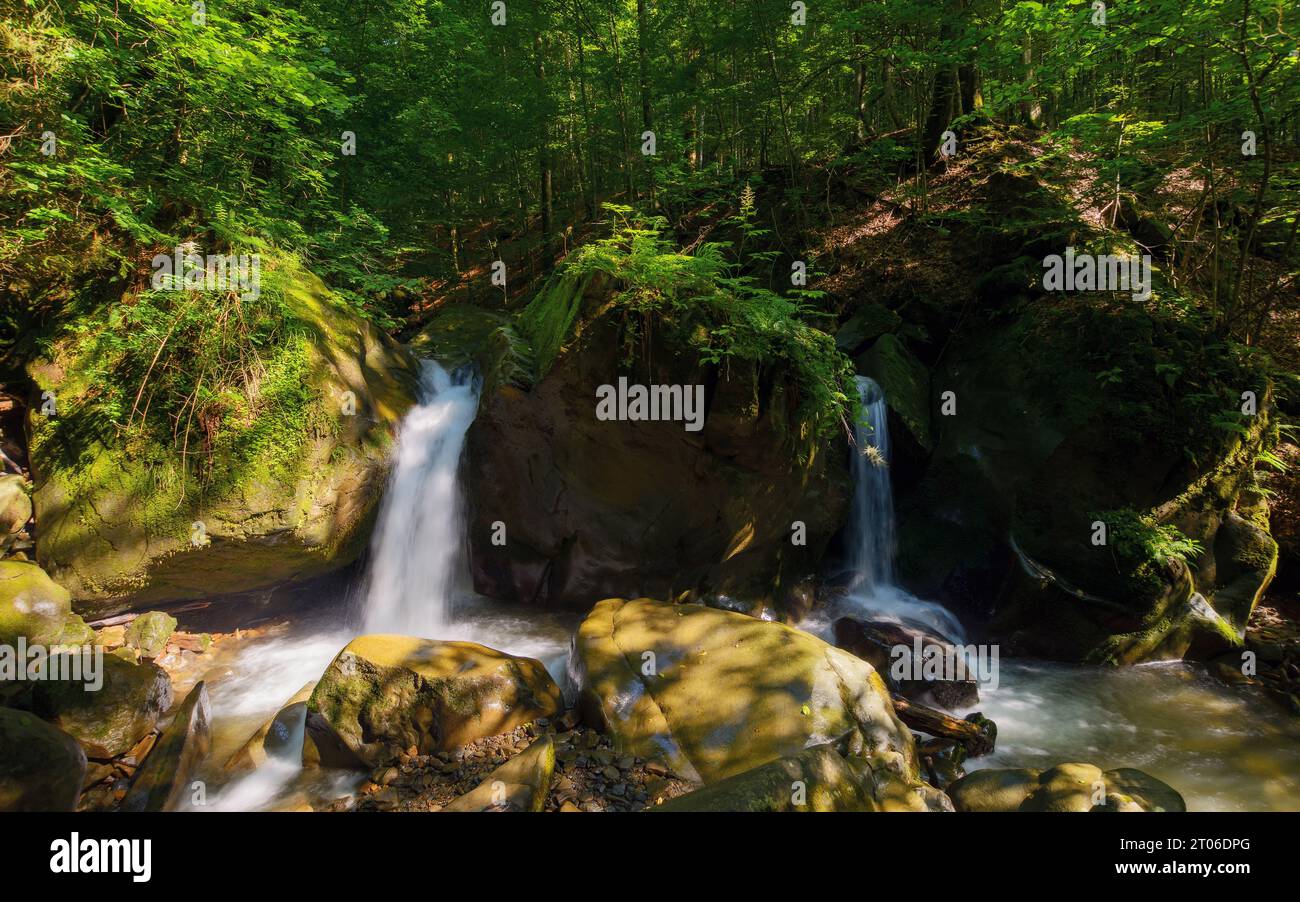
(521, 784)
(36, 608)
(714, 693)
(110, 720)
(15, 506)
(41, 767)
(295, 471)
(1065, 787)
(816, 779)
(384, 694)
(149, 633)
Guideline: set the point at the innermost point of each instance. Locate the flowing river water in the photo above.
(1224, 748)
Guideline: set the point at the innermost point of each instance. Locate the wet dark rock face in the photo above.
(593, 509)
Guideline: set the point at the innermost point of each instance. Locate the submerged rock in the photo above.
(274, 739)
(521, 784)
(1066, 787)
(816, 779)
(289, 499)
(42, 768)
(383, 695)
(878, 643)
(163, 781)
(33, 606)
(110, 721)
(715, 693)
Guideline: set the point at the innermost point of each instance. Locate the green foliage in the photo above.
(1143, 547)
(719, 314)
(207, 374)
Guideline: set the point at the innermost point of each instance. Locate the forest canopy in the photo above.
(398, 148)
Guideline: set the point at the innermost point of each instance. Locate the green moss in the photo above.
(549, 319)
(701, 303)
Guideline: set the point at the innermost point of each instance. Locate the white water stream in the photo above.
(1223, 748)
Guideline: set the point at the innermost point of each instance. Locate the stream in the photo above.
(1224, 748)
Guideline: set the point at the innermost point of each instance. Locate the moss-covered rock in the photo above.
(15, 506)
(596, 509)
(33, 606)
(382, 695)
(149, 633)
(816, 779)
(716, 693)
(906, 384)
(295, 473)
(41, 767)
(464, 334)
(521, 784)
(1072, 414)
(162, 782)
(109, 721)
(867, 323)
(1065, 787)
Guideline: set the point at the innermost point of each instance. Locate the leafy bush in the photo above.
(720, 313)
(1143, 547)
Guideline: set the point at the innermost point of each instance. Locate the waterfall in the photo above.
(872, 527)
(873, 594)
(418, 541)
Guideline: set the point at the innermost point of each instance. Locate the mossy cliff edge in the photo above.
(285, 487)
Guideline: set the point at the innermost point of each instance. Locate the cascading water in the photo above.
(872, 592)
(419, 538)
(871, 532)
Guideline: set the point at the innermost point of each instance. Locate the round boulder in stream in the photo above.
(110, 719)
(899, 651)
(41, 767)
(383, 695)
(1066, 787)
(715, 693)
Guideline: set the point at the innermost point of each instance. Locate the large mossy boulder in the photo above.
(1073, 414)
(42, 768)
(38, 609)
(383, 695)
(1065, 787)
(816, 779)
(295, 471)
(738, 513)
(110, 720)
(715, 693)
